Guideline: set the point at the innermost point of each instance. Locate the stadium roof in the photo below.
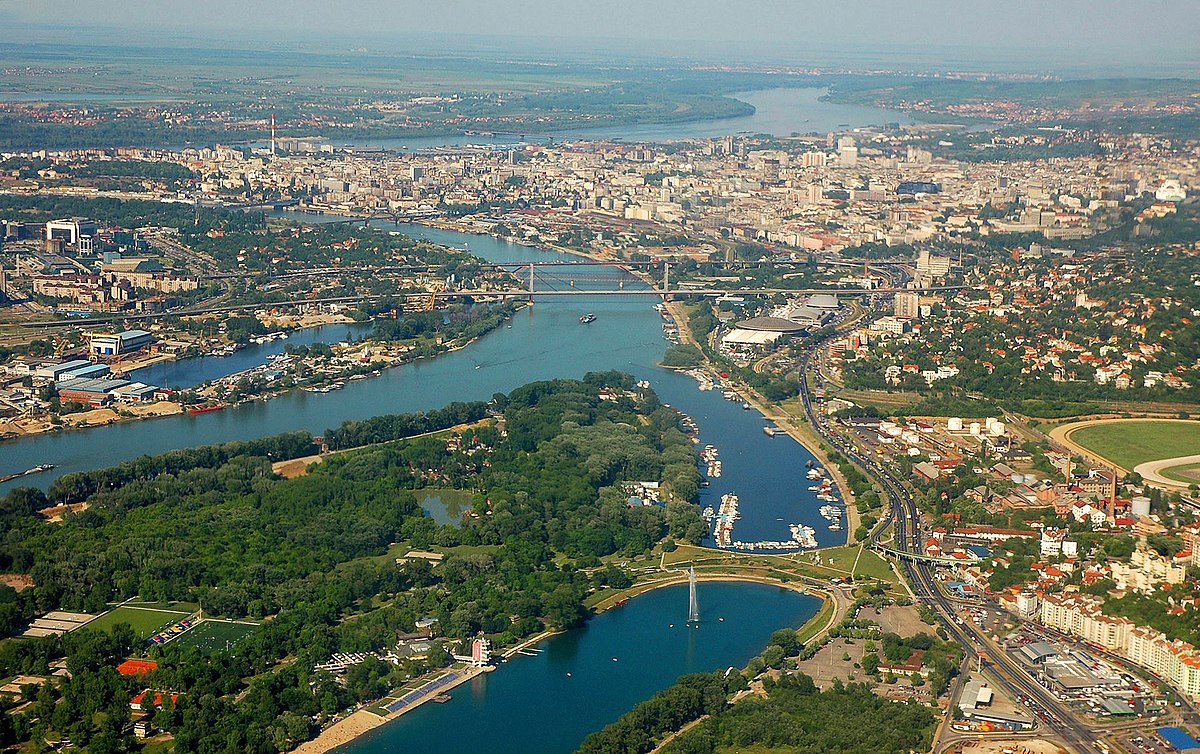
(770, 324)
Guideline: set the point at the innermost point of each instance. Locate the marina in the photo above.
(540, 342)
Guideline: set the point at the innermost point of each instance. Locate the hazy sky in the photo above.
(1097, 28)
(1121, 22)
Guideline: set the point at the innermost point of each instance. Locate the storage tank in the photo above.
(955, 424)
(1017, 478)
(1140, 506)
(988, 422)
(997, 429)
(975, 428)
(1029, 478)
(914, 452)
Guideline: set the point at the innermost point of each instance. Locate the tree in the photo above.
(785, 639)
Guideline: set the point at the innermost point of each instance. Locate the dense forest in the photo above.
(848, 719)
(844, 718)
(215, 525)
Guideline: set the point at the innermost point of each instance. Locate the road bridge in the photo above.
(920, 557)
(485, 295)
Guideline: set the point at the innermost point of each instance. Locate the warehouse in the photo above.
(91, 392)
(109, 344)
(88, 371)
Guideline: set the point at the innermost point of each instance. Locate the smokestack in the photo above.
(1112, 496)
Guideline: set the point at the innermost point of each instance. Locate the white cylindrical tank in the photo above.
(1017, 478)
(997, 429)
(955, 424)
(975, 428)
(914, 451)
(988, 422)
(1029, 478)
(1141, 506)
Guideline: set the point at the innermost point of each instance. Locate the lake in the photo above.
(586, 678)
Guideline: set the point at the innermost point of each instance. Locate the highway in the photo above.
(906, 519)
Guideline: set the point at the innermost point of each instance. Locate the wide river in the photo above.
(543, 341)
(777, 112)
(584, 679)
(508, 709)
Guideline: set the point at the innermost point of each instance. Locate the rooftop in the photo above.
(770, 324)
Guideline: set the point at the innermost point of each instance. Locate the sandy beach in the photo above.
(342, 732)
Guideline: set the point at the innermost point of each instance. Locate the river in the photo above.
(541, 342)
(506, 711)
(584, 679)
(777, 112)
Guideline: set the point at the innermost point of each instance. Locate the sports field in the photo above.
(145, 621)
(213, 636)
(1189, 473)
(1129, 443)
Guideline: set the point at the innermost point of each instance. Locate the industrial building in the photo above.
(90, 392)
(976, 704)
(56, 371)
(109, 344)
(89, 372)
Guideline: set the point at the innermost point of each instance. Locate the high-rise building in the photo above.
(71, 230)
(908, 305)
(935, 266)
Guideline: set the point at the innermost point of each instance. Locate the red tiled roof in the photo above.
(137, 667)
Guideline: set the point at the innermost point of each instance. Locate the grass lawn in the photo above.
(843, 561)
(144, 621)
(835, 562)
(882, 399)
(1130, 443)
(214, 636)
(818, 621)
(1188, 473)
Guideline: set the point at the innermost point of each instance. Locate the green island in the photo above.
(312, 560)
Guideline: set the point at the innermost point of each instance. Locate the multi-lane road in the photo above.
(905, 518)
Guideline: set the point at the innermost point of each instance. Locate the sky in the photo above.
(1111, 30)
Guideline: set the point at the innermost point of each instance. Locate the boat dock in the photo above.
(394, 706)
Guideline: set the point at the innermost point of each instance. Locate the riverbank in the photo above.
(385, 356)
(18, 427)
(782, 419)
(342, 732)
(463, 226)
(297, 467)
(364, 720)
